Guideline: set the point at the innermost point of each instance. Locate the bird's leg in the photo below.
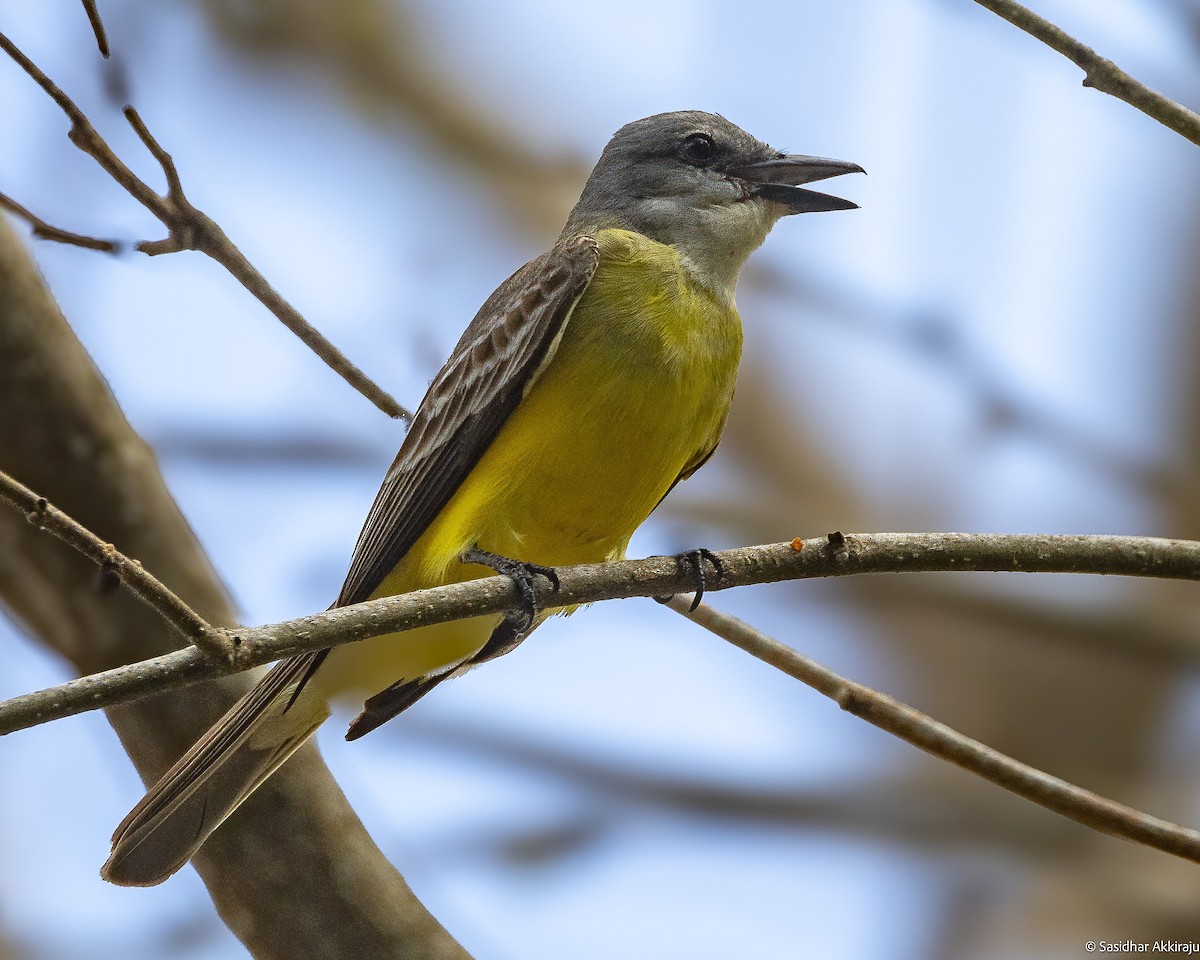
(404, 693)
(519, 622)
(691, 563)
(506, 637)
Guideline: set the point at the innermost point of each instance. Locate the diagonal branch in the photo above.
(833, 556)
(1099, 72)
(946, 743)
(189, 228)
(116, 568)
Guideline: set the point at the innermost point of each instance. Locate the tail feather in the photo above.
(391, 702)
(212, 779)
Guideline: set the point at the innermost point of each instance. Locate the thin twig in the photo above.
(832, 556)
(48, 232)
(945, 743)
(1100, 73)
(93, 15)
(84, 135)
(214, 643)
(188, 228)
(164, 159)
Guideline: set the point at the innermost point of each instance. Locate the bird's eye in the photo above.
(698, 148)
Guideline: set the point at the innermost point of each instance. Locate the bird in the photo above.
(591, 382)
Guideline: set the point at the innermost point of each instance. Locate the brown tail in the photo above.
(221, 770)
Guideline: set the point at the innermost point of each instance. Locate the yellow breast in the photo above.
(637, 391)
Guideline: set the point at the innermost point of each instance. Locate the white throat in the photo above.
(713, 241)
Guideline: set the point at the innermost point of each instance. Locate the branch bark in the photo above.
(835, 555)
(293, 873)
(115, 568)
(1099, 72)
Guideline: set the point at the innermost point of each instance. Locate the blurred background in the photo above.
(1002, 339)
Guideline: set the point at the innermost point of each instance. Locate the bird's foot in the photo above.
(520, 621)
(691, 563)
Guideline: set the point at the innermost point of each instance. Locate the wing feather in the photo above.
(210, 781)
(496, 361)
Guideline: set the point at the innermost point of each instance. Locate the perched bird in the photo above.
(591, 382)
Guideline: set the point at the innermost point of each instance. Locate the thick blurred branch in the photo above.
(833, 556)
(293, 873)
(1121, 636)
(381, 56)
(945, 743)
(893, 807)
(928, 334)
(1101, 73)
(189, 228)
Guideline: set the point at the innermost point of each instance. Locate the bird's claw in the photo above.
(522, 574)
(691, 562)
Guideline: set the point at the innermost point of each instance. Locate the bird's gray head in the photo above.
(703, 185)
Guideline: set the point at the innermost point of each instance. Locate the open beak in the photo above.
(780, 180)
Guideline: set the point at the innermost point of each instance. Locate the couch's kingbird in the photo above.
(591, 382)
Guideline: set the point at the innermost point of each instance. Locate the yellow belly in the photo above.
(636, 393)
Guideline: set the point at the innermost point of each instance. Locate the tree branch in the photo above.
(1100, 73)
(946, 743)
(116, 568)
(188, 228)
(47, 231)
(93, 15)
(833, 556)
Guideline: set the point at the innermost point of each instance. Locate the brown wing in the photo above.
(497, 360)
